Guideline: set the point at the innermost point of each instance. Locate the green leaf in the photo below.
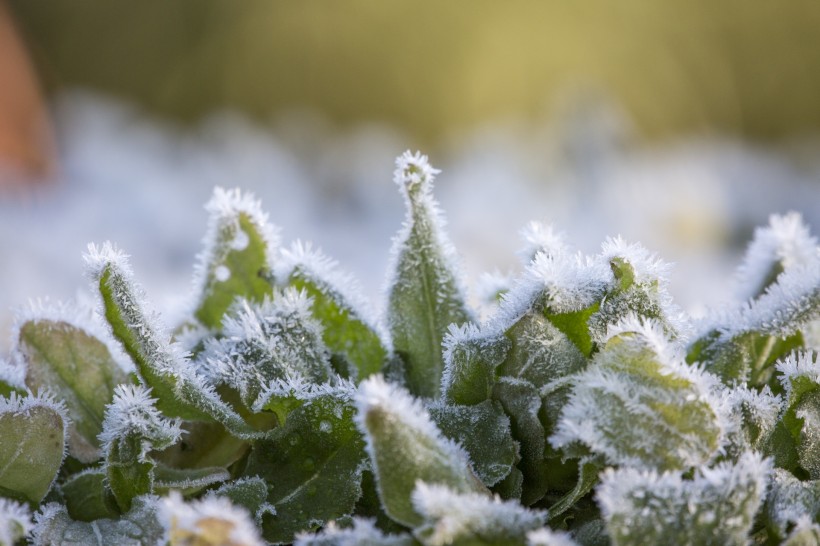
(587, 479)
(237, 256)
(179, 390)
(467, 519)
(79, 367)
(187, 481)
(639, 405)
(203, 445)
(138, 527)
(471, 358)
(522, 403)
(424, 294)
(354, 341)
(802, 415)
(32, 448)
(489, 442)
(405, 446)
(717, 506)
(85, 496)
(314, 464)
(541, 352)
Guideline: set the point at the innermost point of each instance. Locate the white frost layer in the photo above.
(363, 532)
(133, 412)
(328, 276)
(548, 537)
(15, 521)
(375, 394)
(210, 520)
(786, 240)
(460, 515)
(298, 388)
(13, 372)
(646, 498)
(800, 364)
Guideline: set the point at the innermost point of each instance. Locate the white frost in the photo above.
(362, 533)
(133, 412)
(452, 515)
(540, 237)
(15, 521)
(548, 537)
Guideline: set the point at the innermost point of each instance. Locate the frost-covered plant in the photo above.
(587, 409)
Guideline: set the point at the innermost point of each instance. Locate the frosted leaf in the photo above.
(489, 443)
(548, 537)
(239, 245)
(522, 403)
(362, 533)
(314, 463)
(282, 396)
(15, 522)
(801, 378)
(250, 493)
(133, 427)
(424, 291)
(639, 404)
(453, 517)
(471, 357)
(743, 343)
(641, 288)
(754, 415)
(404, 446)
(137, 527)
(542, 238)
(791, 500)
(33, 431)
(270, 341)
(161, 365)
(210, 521)
(717, 506)
(782, 245)
(359, 343)
(85, 495)
(64, 351)
(12, 376)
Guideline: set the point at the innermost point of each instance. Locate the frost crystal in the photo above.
(453, 517)
(15, 521)
(133, 413)
(211, 521)
(782, 245)
(717, 506)
(413, 169)
(791, 500)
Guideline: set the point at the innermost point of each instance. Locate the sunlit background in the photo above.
(681, 124)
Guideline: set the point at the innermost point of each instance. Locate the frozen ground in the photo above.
(143, 185)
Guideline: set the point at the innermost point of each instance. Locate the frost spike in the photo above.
(237, 254)
(15, 522)
(160, 365)
(424, 292)
(405, 446)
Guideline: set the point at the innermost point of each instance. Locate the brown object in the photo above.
(26, 146)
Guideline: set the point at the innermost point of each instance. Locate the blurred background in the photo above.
(681, 124)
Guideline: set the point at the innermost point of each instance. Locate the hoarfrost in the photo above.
(452, 516)
(133, 412)
(791, 500)
(717, 506)
(548, 537)
(542, 238)
(782, 245)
